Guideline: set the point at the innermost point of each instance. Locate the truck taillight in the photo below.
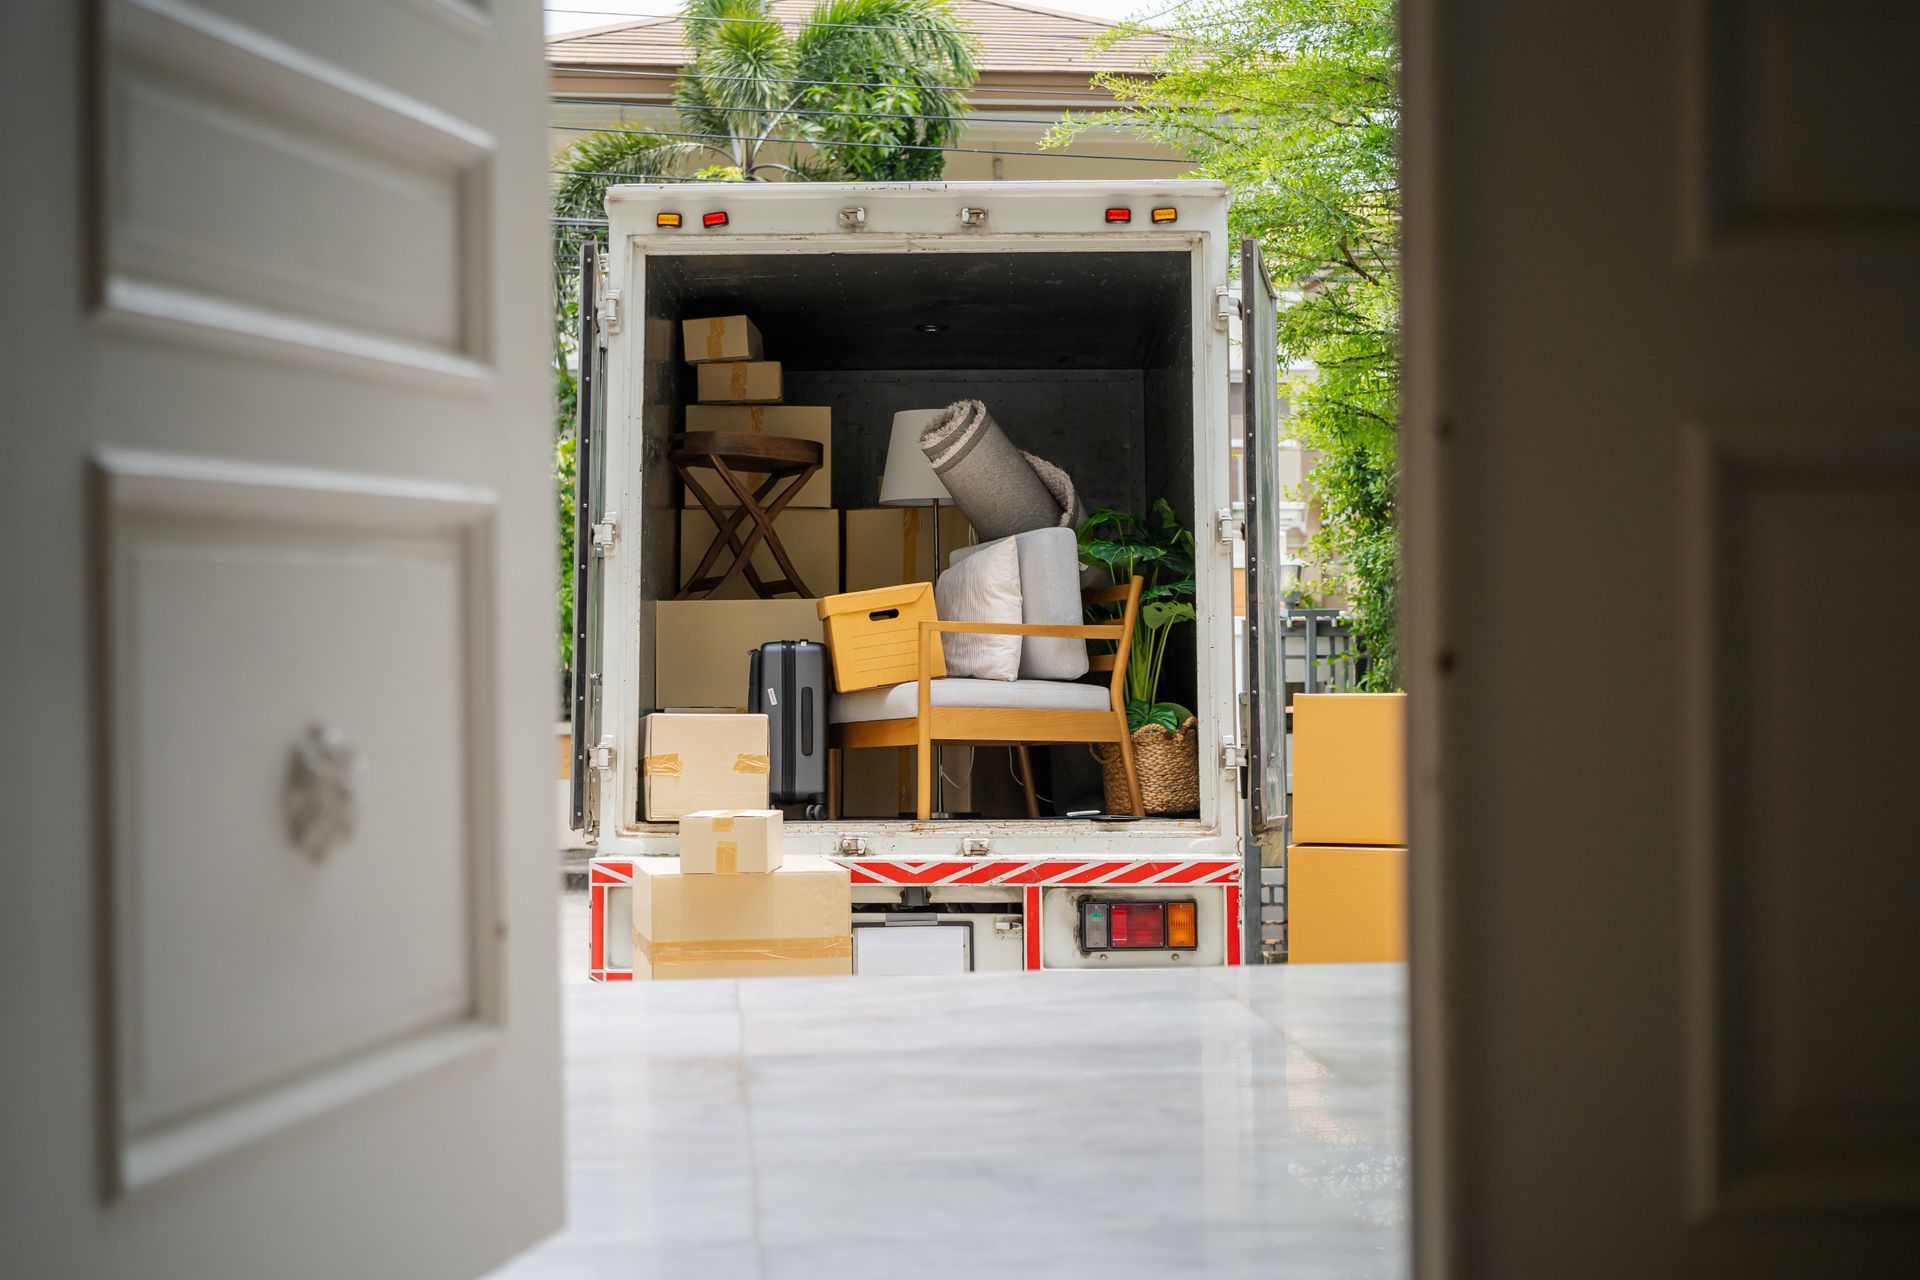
(1139, 926)
(1119, 215)
(712, 220)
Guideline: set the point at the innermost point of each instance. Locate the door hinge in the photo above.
(609, 314)
(1228, 527)
(601, 757)
(1226, 308)
(604, 533)
(1232, 755)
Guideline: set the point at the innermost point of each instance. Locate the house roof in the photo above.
(1018, 39)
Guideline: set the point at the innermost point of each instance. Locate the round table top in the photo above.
(746, 451)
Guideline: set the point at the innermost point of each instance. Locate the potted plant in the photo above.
(1166, 741)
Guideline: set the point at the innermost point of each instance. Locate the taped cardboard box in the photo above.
(811, 537)
(701, 649)
(1349, 768)
(795, 421)
(694, 762)
(738, 382)
(1346, 905)
(720, 338)
(796, 921)
(725, 842)
(887, 546)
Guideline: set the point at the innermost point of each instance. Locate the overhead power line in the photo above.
(644, 74)
(1077, 37)
(828, 112)
(881, 146)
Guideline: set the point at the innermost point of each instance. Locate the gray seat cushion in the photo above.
(902, 701)
(1050, 596)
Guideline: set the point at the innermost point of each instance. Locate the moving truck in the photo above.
(1097, 322)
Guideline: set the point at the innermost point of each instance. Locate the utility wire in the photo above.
(847, 26)
(823, 111)
(857, 84)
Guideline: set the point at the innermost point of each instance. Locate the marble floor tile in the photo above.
(1193, 1123)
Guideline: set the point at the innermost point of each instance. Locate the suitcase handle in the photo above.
(806, 721)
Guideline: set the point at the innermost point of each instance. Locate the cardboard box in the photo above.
(1349, 768)
(720, 338)
(1346, 905)
(798, 920)
(694, 762)
(728, 842)
(811, 537)
(795, 421)
(739, 382)
(887, 546)
(873, 636)
(701, 649)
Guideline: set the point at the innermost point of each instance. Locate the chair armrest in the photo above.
(1065, 631)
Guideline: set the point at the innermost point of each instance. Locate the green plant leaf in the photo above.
(1165, 716)
(1164, 613)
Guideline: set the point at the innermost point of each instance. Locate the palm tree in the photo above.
(865, 89)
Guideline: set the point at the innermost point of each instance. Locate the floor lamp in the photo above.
(908, 481)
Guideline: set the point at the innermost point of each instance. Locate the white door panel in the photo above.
(1663, 516)
(276, 920)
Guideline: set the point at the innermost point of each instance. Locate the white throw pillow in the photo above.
(985, 587)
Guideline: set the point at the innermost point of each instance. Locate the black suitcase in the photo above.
(789, 685)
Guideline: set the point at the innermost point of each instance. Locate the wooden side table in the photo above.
(726, 454)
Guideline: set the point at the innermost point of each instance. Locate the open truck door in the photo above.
(1266, 731)
(590, 532)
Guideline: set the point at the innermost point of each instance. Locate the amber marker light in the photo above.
(666, 220)
(1165, 215)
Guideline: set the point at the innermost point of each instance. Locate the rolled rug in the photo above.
(990, 479)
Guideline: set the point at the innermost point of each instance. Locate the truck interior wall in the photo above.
(665, 387)
(1169, 435)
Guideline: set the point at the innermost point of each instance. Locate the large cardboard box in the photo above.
(887, 546)
(720, 338)
(694, 762)
(796, 921)
(738, 382)
(701, 647)
(811, 537)
(1349, 768)
(1346, 904)
(797, 421)
(725, 842)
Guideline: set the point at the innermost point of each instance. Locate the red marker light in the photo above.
(1119, 215)
(712, 220)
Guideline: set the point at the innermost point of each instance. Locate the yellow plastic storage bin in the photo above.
(874, 636)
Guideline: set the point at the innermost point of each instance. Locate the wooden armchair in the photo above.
(1045, 711)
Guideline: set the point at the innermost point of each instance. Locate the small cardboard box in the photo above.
(811, 537)
(701, 648)
(796, 921)
(796, 421)
(739, 382)
(1349, 768)
(1346, 905)
(724, 842)
(720, 338)
(694, 762)
(874, 636)
(887, 546)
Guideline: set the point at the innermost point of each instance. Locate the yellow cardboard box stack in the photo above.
(1347, 865)
(795, 920)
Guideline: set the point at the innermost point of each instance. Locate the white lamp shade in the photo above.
(909, 480)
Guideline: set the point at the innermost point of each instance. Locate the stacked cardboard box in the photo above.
(1347, 865)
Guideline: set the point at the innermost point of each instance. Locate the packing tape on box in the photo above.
(757, 419)
(726, 856)
(910, 546)
(662, 955)
(722, 824)
(736, 376)
(666, 766)
(716, 335)
(744, 763)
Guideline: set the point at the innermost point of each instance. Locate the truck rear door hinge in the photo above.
(605, 532)
(609, 314)
(1232, 755)
(601, 757)
(1228, 527)
(1226, 308)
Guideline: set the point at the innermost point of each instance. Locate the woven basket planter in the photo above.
(1168, 765)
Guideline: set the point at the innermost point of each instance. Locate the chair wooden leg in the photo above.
(1126, 762)
(923, 767)
(1026, 779)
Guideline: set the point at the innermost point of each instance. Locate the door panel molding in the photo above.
(1791, 1102)
(250, 978)
(251, 195)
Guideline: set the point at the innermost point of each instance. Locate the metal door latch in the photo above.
(853, 846)
(854, 219)
(974, 846)
(1228, 527)
(971, 217)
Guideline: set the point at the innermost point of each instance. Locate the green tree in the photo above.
(1295, 104)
